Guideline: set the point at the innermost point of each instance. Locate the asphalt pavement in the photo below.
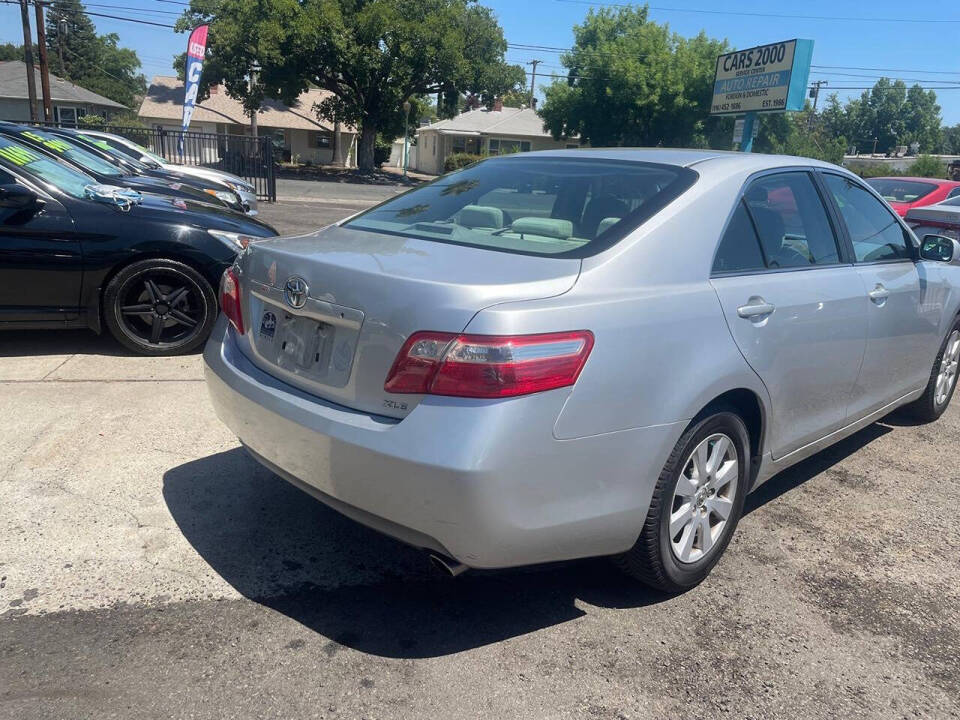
(149, 568)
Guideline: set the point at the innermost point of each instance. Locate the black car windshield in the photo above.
(895, 190)
(73, 152)
(113, 152)
(540, 205)
(45, 169)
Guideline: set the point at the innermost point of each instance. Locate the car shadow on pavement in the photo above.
(798, 474)
(282, 548)
(18, 343)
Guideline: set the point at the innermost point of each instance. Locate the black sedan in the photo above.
(75, 253)
(88, 161)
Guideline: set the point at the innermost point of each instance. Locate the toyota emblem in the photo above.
(295, 292)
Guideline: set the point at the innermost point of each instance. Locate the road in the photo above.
(150, 569)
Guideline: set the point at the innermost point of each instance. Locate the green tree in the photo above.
(95, 62)
(804, 134)
(9, 51)
(950, 140)
(634, 82)
(372, 55)
(888, 115)
(927, 166)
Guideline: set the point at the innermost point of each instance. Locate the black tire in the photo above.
(652, 560)
(175, 295)
(926, 408)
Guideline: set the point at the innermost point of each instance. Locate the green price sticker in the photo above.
(17, 155)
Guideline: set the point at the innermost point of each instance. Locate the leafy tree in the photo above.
(372, 55)
(9, 51)
(96, 62)
(950, 140)
(803, 134)
(634, 82)
(889, 113)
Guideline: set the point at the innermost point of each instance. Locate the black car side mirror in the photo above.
(939, 248)
(17, 197)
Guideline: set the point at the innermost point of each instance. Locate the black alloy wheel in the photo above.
(160, 307)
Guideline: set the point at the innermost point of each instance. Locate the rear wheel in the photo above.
(942, 382)
(695, 507)
(160, 307)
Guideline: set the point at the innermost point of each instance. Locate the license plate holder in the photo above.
(302, 343)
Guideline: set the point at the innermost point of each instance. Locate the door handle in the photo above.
(879, 294)
(755, 307)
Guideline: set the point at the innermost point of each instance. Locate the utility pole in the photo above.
(44, 67)
(533, 78)
(61, 29)
(28, 59)
(815, 91)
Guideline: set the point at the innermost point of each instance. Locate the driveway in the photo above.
(149, 568)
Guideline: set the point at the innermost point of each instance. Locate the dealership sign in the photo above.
(196, 50)
(768, 78)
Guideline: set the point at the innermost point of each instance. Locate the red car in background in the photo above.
(904, 193)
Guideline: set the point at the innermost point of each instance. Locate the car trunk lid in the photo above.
(328, 312)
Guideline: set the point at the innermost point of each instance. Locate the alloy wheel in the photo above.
(947, 376)
(161, 307)
(703, 498)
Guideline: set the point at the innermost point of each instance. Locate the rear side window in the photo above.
(791, 221)
(874, 231)
(555, 206)
(739, 249)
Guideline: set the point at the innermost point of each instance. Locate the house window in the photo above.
(459, 144)
(498, 146)
(67, 115)
(323, 141)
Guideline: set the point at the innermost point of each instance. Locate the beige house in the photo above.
(296, 128)
(482, 132)
(70, 102)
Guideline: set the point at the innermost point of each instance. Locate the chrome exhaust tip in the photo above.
(448, 567)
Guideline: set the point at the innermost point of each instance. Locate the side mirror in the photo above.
(17, 197)
(939, 248)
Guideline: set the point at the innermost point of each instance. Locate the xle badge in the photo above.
(268, 324)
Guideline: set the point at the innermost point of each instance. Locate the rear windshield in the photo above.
(905, 191)
(561, 206)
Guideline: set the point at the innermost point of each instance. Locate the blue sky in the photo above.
(905, 48)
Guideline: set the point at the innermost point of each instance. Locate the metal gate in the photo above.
(251, 158)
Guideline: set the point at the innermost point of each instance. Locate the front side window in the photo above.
(791, 221)
(874, 230)
(534, 205)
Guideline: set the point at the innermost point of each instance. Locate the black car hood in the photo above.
(158, 185)
(164, 208)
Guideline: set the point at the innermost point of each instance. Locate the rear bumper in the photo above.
(482, 481)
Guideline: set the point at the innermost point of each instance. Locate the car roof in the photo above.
(934, 181)
(728, 160)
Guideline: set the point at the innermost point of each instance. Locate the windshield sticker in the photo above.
(18, 155)
(58, 145)
(96, 141)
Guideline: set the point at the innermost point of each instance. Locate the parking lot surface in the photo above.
(149, 568)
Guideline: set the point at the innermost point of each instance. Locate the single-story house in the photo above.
(482, 132)
(69, 101)
(296, 128)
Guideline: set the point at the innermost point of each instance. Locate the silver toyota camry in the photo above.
(564, 354)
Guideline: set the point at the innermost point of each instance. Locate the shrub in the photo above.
(927, 166)
(91, 121)
(460, 160)
(381, 151)
(871, 170)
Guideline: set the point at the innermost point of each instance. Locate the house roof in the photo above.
(164, 100)
(13, 84)
(514, 122)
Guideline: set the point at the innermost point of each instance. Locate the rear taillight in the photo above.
(230, 299)
(488, 366)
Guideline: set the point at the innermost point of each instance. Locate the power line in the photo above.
(784, 16)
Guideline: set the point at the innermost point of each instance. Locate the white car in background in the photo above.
(246, 191)
(940, 219)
